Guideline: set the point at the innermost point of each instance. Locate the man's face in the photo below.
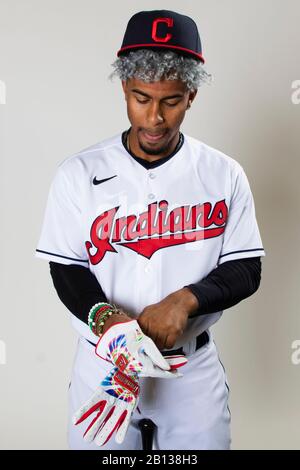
(156, 109)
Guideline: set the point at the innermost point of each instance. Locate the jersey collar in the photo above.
(156, 163)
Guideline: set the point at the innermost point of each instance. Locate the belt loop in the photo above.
(189, 347)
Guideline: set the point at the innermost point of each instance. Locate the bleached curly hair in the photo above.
(151, 66)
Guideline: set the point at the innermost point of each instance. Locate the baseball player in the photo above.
(151, 234)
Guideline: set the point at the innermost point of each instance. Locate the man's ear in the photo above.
(192, 95)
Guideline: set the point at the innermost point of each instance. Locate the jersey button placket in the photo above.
(151, 176)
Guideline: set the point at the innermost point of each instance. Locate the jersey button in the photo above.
(152, 175)
(147, 269)
(151, 196)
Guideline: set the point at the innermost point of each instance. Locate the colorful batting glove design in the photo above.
(114, 402)
(127, 347)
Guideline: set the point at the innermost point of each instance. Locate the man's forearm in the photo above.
(225, 286)
(77, 288)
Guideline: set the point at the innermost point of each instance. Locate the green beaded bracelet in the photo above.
(94, 310)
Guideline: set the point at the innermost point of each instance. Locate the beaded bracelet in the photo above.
(99, 313)
(99, 323)
(98, 316)
(94, 310)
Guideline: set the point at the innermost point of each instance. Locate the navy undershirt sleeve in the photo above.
(77, 288)
(225, 286)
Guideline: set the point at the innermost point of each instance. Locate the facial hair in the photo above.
(163, 149)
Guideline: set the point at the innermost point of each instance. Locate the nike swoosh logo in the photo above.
(95, 181)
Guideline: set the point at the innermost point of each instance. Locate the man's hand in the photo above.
(128, 348)
(166, 320)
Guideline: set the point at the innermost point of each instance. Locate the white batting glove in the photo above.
(127, 347)
(114, 401)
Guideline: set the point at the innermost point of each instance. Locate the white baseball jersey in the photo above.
(147, 233)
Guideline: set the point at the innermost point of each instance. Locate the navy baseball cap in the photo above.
(162, 29)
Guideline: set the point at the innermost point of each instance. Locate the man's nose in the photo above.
(155, 115)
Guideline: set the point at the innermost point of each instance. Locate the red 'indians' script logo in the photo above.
(155, 229)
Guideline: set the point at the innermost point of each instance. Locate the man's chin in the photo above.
(154, 149)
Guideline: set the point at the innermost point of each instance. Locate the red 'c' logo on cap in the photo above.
(169, 22)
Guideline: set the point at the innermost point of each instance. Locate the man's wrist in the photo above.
(103, 315)
(113, 319)
(189, 300)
